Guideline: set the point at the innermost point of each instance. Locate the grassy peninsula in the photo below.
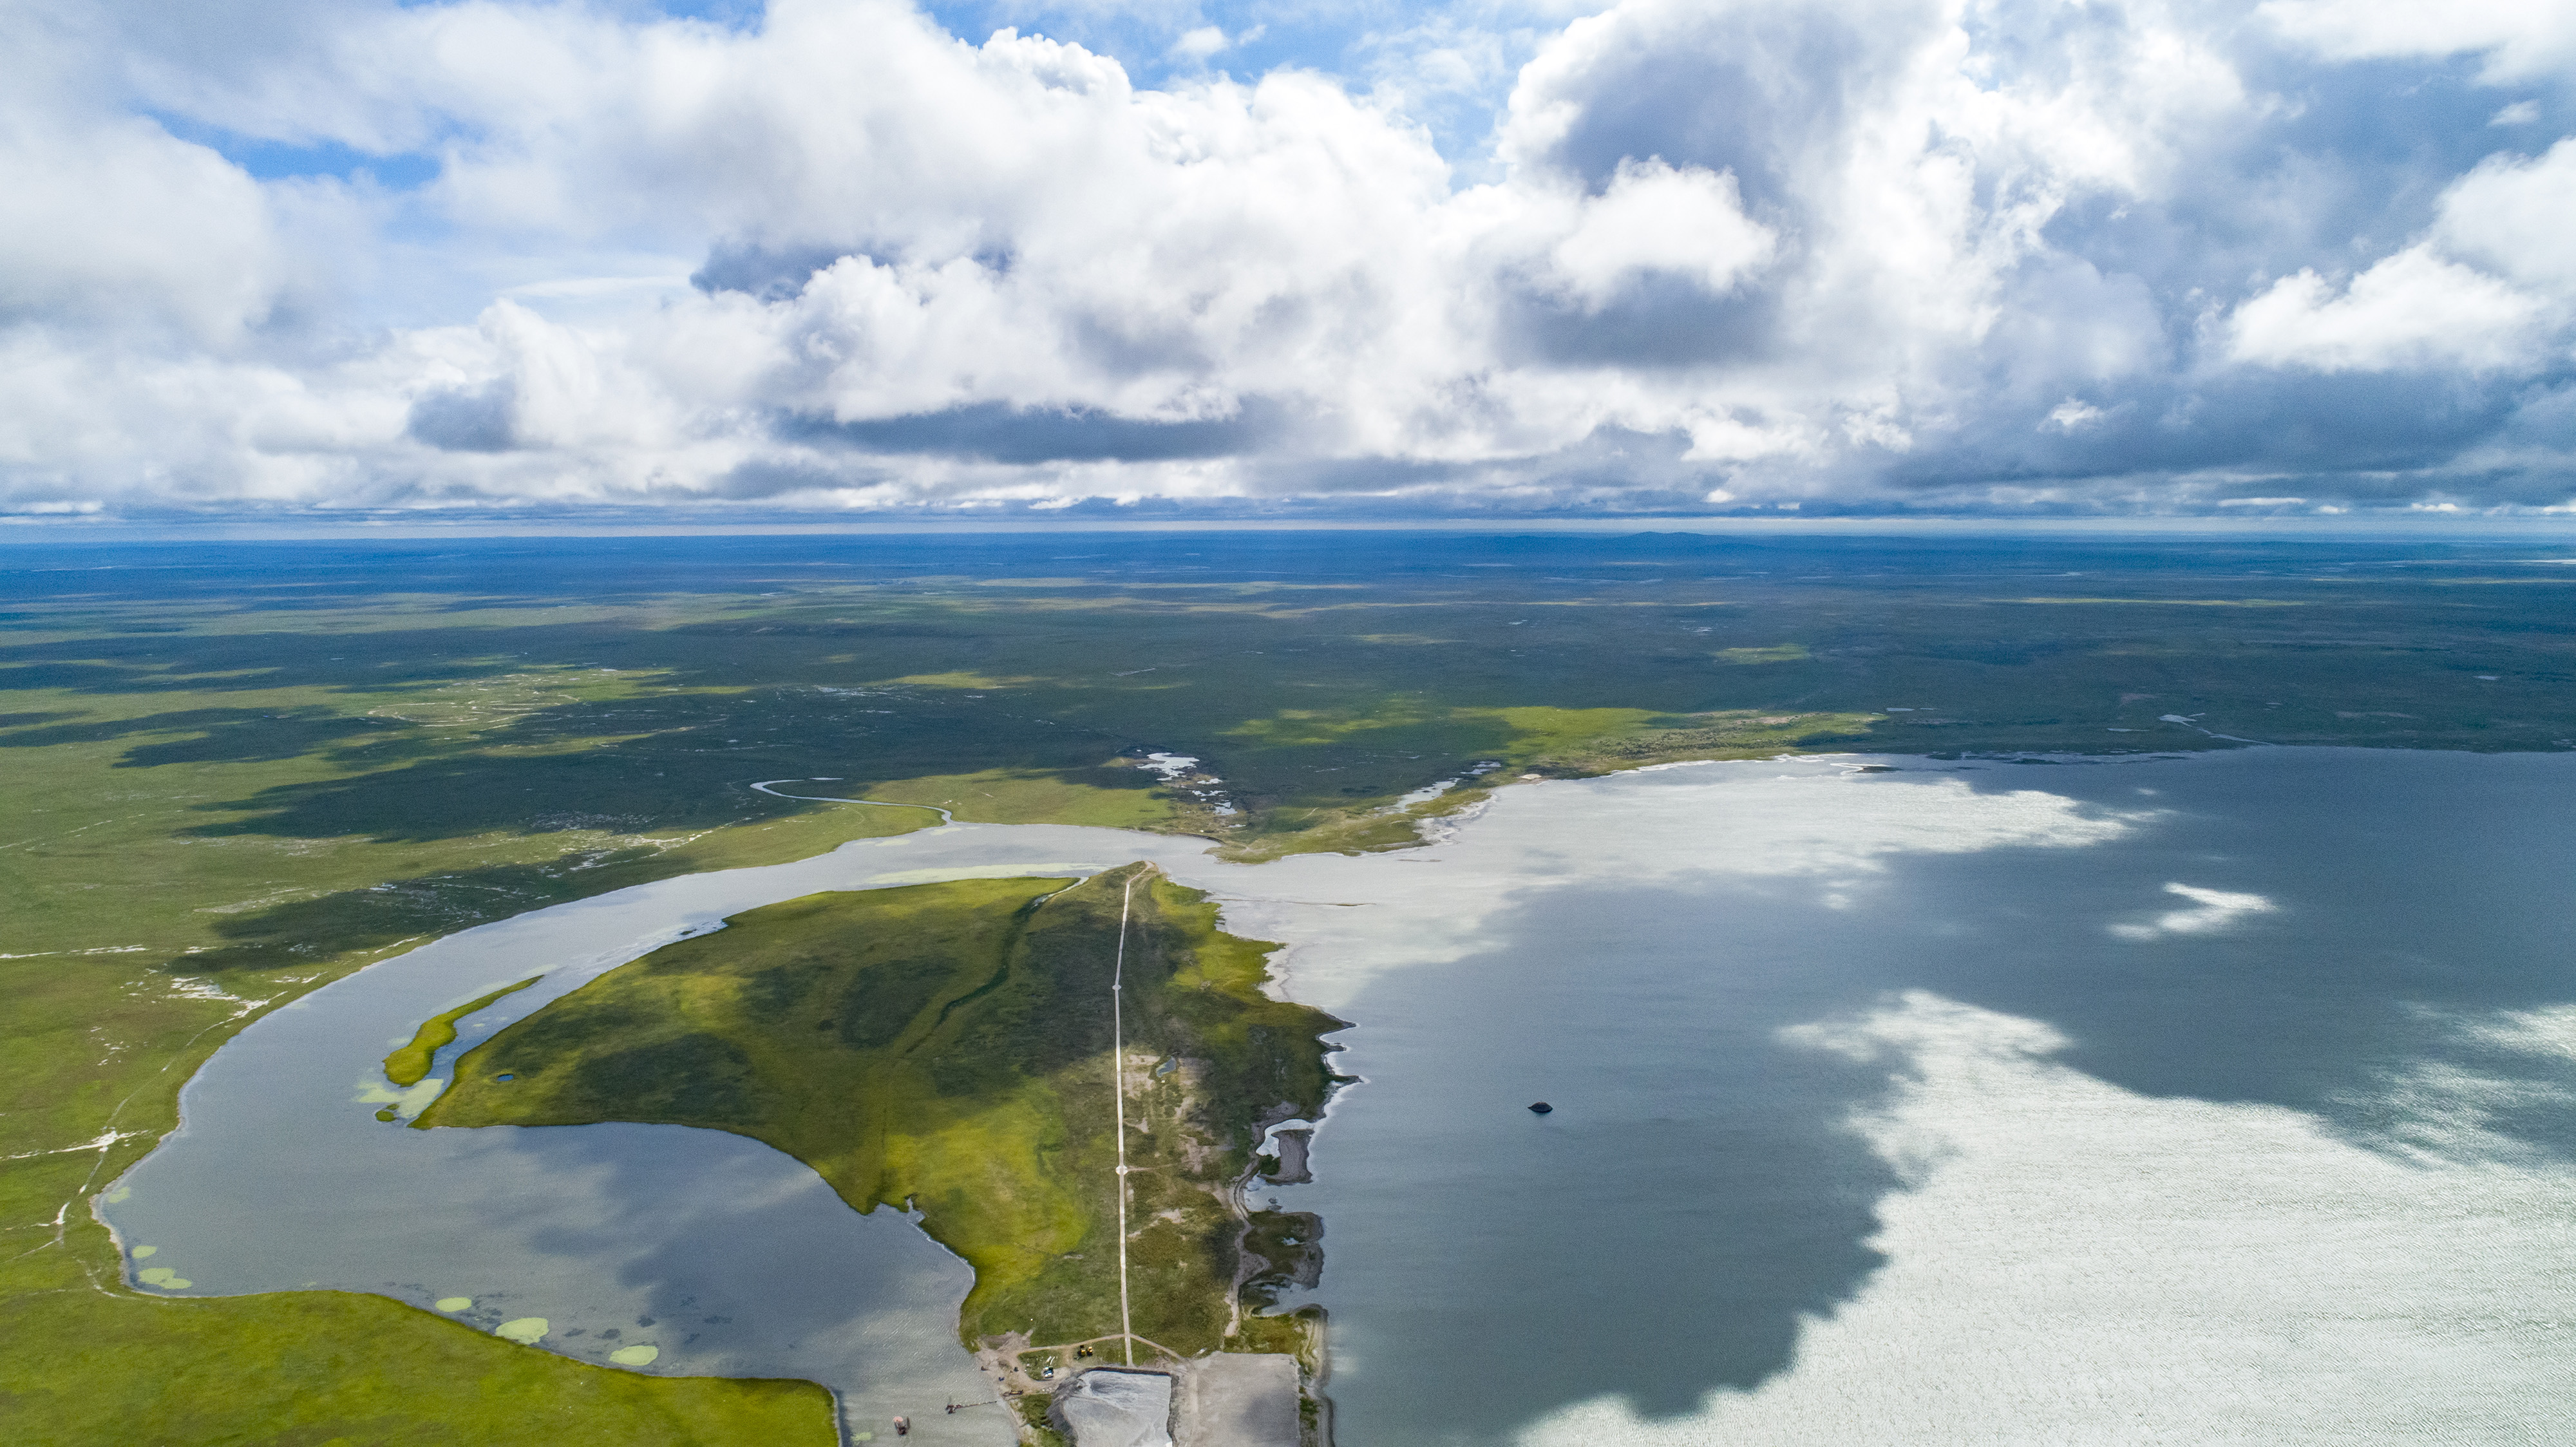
(949, 1046)
(408, 1065)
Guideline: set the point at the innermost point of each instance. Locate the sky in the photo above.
(1099, 259)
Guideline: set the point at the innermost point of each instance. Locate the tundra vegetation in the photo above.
(948, 1046)
(410, 1063)
(240, 771)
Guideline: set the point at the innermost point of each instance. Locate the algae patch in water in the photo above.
(407, 1065)
(456, 1303)
(635, 1356)
(527, 1331)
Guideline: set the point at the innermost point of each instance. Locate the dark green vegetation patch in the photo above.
(949, 1045)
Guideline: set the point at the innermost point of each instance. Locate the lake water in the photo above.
(2211, 1099)
(725, 1256)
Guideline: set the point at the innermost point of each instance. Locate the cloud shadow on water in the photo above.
(748, 1262)
(1697, 1197)
(2403, 934)
(1692, 1199)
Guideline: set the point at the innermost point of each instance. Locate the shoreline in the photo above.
(1226, 875)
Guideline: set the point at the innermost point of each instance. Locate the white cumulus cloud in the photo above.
(1655, 218)
(1893, 255)
(2518, 37)
(2415, 309)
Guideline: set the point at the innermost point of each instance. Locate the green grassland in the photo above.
(236, 772)
(338, 1368)
(145, 933)
(948, 1046)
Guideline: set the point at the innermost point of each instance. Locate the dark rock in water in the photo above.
(1287, 1249)
(1541, 1108)
(1291, 1168)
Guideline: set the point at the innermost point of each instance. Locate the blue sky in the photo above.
(1900, 258)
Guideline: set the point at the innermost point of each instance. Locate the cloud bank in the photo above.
(1881, 257)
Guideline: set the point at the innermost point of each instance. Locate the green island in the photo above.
(948, 1047)
(409, 1064)
(242, 771)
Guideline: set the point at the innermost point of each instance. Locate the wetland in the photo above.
(292, 761)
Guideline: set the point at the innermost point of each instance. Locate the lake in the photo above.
(2208, 1098)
